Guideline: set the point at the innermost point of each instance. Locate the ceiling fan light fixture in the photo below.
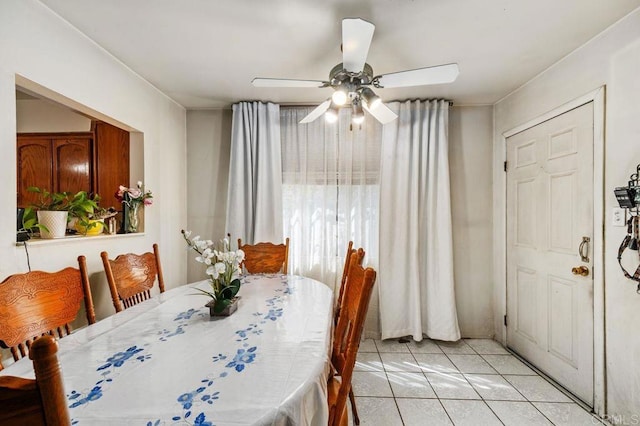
(372, 100)
(331, 116)
(340, 96)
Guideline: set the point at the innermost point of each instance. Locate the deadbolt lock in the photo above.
(580, 270)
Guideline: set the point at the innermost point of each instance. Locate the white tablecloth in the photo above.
(165, 361)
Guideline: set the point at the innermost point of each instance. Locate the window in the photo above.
(330, 191)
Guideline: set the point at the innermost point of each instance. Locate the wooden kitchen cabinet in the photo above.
(57, 162)
(112, 161)
(95, 162)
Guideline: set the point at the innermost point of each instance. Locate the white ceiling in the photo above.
(204, 53)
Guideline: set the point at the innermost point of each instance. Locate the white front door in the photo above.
(549, 215)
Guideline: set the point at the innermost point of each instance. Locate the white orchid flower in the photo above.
(187, 234)
(239, 255)
(211, 271)
(220, 267)
(205, 257)
(201, 245)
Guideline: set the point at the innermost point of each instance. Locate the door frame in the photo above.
(596, 96)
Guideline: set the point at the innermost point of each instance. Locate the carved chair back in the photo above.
(343, 283)
(37, 303)
(345, 275)
(346, 337)
(131, 277)
(36, 402)
(265, 258)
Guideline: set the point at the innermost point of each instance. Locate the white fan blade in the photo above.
(279, 82)
(313, 115)
(422, 76)
(356, 39)
(382, 113)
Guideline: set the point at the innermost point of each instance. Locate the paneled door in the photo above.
(549, 256)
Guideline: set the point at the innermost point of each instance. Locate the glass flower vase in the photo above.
(132, 218)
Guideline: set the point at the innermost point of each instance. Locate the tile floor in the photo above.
(469, 382)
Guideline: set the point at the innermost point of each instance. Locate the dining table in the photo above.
(167, 361)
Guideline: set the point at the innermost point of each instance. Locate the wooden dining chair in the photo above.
(36, 402)
(131, 277)
(37, 303)
(346, 338)
(265, 258)
(345, 274)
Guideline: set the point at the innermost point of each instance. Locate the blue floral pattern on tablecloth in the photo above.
(119, 359)
(196, 404)
(106, 370)
(244, 356)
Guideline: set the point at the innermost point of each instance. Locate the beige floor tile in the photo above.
(410, 385)
(451, 386)
(472, 364)
(567, 414)
(391, 345)
(415, 412)
(367, 383)
(518, 413)
(470, 413)
(399, 362)
(378, 411)
(508, 364)
(535, 388)
(368, 361)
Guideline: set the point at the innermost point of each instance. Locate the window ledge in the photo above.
(77, 238)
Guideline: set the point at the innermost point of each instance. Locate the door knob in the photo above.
(580, 270)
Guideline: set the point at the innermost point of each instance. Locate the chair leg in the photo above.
(354, 410)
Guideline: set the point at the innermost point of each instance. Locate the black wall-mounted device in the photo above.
(626, 197)
(629, 198)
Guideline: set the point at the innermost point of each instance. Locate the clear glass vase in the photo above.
(132, 218)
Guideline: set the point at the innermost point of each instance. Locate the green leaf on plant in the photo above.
(220, 305)
(231, 290)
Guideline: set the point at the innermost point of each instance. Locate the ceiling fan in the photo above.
(352, 79)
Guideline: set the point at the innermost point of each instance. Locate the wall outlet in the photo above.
(619, 217)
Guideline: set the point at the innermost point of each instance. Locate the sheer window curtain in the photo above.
(254, 200)
(416, 283)
(330, 191)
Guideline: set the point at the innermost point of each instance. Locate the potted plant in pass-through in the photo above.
(93, 223)
(53, 210)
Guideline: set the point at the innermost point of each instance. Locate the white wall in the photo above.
(470, 156)
(40, 50)
(470, 162)
(40, 116)
(611, 59)
(208, 150)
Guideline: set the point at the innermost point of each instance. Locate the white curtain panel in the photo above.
(330, 191)
(254, 201)
(415, 280)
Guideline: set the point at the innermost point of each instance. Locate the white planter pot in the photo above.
(55, 221)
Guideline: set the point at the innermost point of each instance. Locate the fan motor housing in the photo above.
(339, 76)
